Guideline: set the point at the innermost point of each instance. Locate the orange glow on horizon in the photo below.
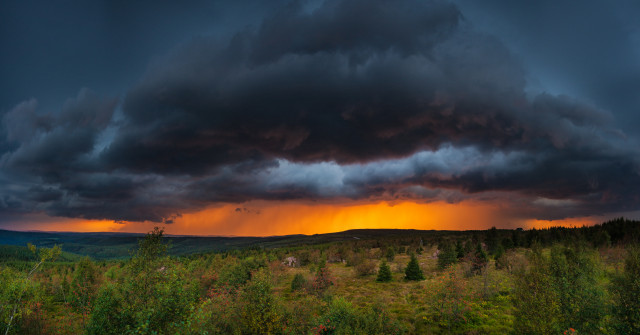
(264, 218)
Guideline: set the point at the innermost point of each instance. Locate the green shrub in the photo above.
(479, 260)
(341, 317)
(559, 292)
(366, 268)
(447, 255)
(626, 292)
(261, 311)
(390, 254)
(155, 297)
(384, 273)
(322, 280)
(298, 282)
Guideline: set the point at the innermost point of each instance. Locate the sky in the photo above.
(282, 117)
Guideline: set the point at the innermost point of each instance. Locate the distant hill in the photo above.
(120, 245)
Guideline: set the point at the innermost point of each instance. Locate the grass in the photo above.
(414, 303)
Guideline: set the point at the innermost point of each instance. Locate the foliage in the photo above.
(322, 280)
(447, 255)
(452, 307)
(390, 254)
(18, 292)
(298, 282)
(537, 303)
(492, 240)
(366, 268)
(84, 286)
(261, 311)
(560, 291)
(460, 252)
(500, 257)
(342, 318)
(479, 260)
(626, 290)
(154, 297)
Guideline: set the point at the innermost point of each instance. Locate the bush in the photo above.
(447, 255)
(298, 282)
(261, 311)
(342, 317)
(234, 275)
(479, 260)
(390, 254)
(154, 298)
(626, 291)
(460, 253)
(354, 258)
(559, 292)
(218, 314)
(322, 281)
(451, 308)
(384, 273)
(109, 315)
(366, 268)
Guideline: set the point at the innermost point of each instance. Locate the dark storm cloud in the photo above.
(405, 76)
(590, 50)
(53, 145)
(327, 101)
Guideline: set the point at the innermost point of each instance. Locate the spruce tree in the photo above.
(384, 273)
(413, 271)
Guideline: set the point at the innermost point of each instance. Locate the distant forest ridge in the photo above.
(121, 245)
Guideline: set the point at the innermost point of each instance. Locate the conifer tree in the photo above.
(384, 273)
(413, 271)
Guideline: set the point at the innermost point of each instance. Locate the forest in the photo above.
(580, 280)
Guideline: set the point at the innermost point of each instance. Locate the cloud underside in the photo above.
(353, 100)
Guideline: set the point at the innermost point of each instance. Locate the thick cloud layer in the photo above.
(347, 100)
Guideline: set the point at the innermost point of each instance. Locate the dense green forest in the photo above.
(551, 281)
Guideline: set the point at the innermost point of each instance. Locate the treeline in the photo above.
(547, 281)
